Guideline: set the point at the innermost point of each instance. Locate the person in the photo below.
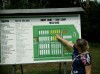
(81, 56)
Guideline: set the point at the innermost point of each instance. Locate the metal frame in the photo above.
(43, 11)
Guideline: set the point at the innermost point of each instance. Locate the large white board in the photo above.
(16, 37)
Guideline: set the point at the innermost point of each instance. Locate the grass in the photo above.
(53, 68)
(95, 53)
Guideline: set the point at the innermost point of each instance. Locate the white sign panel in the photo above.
(17, 38)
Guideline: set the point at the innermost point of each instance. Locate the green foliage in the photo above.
(0, 4)
(18, 4)
(91, 23)
(24, 4)
(37, 3)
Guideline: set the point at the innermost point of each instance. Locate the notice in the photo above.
(8, 41)
(16, 44)
(23, 42)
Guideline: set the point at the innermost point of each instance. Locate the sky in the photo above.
(93, 0)
(98, 0)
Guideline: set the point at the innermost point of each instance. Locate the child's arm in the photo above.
(66, 42)
(88, 69)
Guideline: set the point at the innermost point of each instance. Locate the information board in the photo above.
(46, 46)
(33, 39)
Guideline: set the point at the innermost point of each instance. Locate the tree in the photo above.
(37, 3)
(18, 4)
(0, 4)
(63, 3)
(91, 23)
(87, 3)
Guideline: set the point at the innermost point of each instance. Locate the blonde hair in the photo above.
(82, 44)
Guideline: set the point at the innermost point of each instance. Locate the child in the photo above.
(81, 57)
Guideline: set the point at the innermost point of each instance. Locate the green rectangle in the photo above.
(47, 47)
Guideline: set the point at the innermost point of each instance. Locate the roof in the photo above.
(41, 11)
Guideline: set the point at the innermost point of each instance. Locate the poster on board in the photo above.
(33, 39)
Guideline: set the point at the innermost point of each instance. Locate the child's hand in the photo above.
(58, 37)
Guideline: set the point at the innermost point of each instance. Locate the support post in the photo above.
(65, 68)
(21, 69)
(14, 69)
(60, 68)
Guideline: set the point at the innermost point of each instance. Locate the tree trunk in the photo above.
(87, 3)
